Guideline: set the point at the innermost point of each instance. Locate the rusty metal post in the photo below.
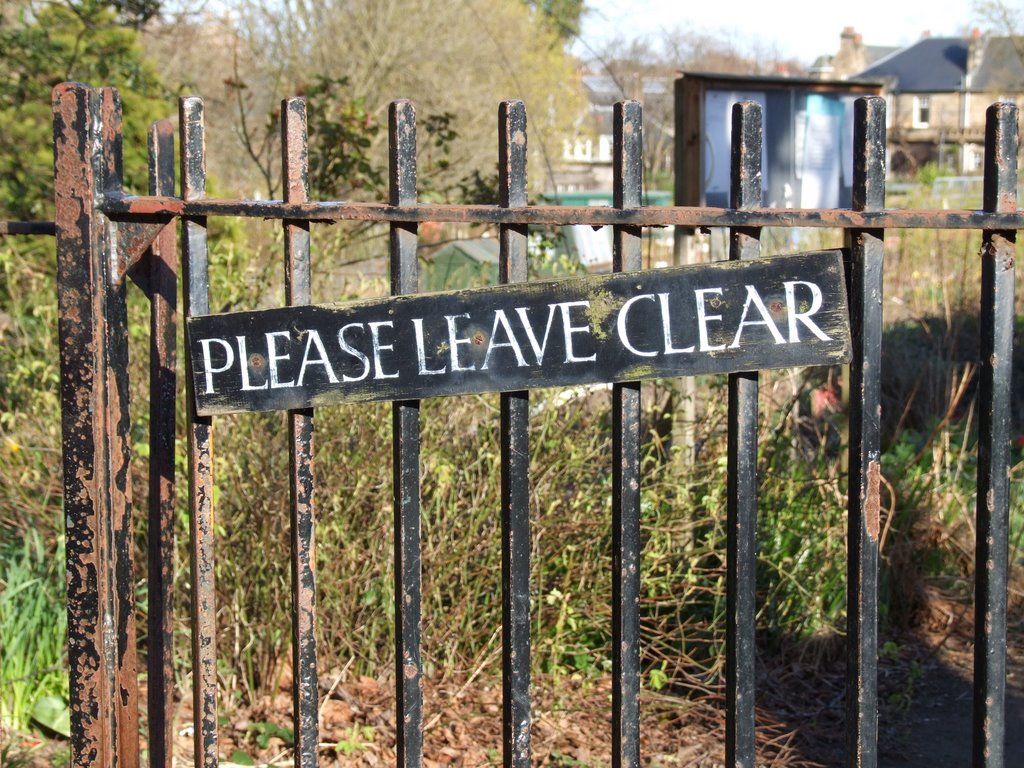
(95, 430)
(405, 421)
(515, 464)
(196, 295)
(865, 288)
(162, 288)
(995, 393)
(741, 525)
(628, 170)
(305, 691)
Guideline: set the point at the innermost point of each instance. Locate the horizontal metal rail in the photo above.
(126, 207)
(28, 228)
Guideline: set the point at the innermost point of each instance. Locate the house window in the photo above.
(973, 158)
(922, 111)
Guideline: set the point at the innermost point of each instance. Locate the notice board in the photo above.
(807, 157)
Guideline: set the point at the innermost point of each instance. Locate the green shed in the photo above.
(461, 264)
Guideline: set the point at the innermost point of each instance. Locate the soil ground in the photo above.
(925, 696)
(925, 706)
(925, 710)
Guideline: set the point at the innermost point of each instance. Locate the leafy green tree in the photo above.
(135, 13)
(562, 16)
(50, 42)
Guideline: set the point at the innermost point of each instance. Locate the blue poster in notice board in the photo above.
(807, 159)
(818, 154)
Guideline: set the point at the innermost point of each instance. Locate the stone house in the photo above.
(586, 162)
(937, 90)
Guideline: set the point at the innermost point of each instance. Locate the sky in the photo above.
(797, 28)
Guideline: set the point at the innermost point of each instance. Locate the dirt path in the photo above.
(924, 695)
(936, 728)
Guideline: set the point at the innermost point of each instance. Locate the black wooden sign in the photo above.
(713, 318)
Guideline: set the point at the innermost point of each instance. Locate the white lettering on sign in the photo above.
(378, 369)
(803, 317)
(421, 352)
(229, 359)
(753, 298)
(501, 319)
(644, 326)
(703, 317)
(666, 328)
(313, 340)
(620, 326)
(244, 363)
(569, 330)
(273, 359)
(454, 340)
(348, 349)
(538, 349)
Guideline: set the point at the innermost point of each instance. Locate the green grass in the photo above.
(33, 625)
(33, 621)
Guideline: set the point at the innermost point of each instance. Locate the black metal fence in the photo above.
(104, 236)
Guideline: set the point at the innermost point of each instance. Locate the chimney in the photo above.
(849, 60)
(975, 51)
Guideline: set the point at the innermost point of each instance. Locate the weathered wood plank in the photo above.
(718, 318)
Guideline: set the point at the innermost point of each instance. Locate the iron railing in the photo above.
(104, 235)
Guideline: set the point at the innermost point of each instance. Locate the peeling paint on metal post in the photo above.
(118, 428)
(865, 293)
(515, 463)
(995, 392)
(741, 525)
(162, 264)
(628, 174)
(305, 691)
(405, 419)
(195, 279)
(95, 429)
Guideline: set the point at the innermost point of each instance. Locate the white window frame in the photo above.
(922, 104)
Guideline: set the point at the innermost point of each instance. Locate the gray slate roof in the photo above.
(872, 53)
(1001, 68)
(931, 65)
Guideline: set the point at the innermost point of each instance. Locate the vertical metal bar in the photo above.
(991, 552)
(195, 279)
(865, 289)
(515, 463)
(95, 428)
(118, 427)
(741, 520)
(406, 456)
(627, 193)
(163, 301)
(305, 693)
